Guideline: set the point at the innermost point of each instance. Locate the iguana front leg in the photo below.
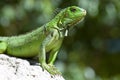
(3, 46)
(51, 60)
(42, 54)
(52, 57)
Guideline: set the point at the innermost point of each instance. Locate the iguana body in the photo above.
(47, 38)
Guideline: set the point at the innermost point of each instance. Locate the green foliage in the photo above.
(92, 50)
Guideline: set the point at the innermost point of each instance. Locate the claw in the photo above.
(51, 69)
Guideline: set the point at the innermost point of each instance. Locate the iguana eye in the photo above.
(72, 9)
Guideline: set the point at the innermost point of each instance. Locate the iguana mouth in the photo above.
(75, 22)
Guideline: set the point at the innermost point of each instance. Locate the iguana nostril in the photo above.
(83, 10)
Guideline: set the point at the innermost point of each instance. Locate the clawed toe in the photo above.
(51, 69)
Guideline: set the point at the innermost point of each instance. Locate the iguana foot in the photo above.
(55, 69)
(51, 69)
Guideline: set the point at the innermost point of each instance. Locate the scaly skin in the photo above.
(47, 38)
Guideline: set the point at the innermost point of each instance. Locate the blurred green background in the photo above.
(92, 49)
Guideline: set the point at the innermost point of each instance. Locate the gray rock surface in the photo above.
(12, 68)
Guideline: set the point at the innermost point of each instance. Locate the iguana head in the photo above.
(71, 16)
(67, 18)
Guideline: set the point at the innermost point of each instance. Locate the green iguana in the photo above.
(47, 38)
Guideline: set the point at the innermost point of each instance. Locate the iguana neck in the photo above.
(57, 24)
